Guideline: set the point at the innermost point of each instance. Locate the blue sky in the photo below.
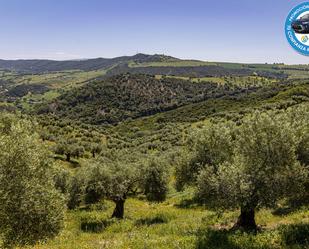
(211, 30)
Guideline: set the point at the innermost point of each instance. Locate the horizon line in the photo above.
(181, 58)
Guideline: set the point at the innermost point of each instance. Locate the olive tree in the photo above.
(94, 148)
(31, 209)
(109, 180)
(64, 181)
(76, 189)
(299, 118)
(115, 180)
(155, 181)
(261, 169)
(70, 149)
(208, 147)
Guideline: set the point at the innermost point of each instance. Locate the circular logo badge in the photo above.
(297, 28)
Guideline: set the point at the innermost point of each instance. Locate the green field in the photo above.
(182, 63)
(174, 224)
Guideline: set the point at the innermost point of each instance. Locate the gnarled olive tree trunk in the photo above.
(246, 219)
(119, 209)
(68, 157)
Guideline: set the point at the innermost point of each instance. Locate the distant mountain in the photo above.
(144, 64)
(40, 66)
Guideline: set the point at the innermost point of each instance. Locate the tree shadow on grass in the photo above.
(73, 163)
(188, 203)
(156, 219)
(94, 226)
(295, 234)
(282, 211)
(291, 207)
(214, 239)
(290, 236)
(211, 238)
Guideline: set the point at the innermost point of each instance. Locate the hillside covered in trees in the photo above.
(130, 96)
(146, 64)
(153, 152)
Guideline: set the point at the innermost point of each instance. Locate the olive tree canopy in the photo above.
(115, 180)
(31, 209)
(260, 168)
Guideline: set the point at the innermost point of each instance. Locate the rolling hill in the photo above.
(40, 66)
(130, 96)
(149, 64)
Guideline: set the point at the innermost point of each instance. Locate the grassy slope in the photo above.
(292, 70)
(56, 82)
(186, 63)
(171, 225)
(67, 79)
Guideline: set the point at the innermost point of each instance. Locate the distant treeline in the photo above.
(195, 71)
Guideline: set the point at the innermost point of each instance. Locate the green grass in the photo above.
(57, 82)
(63, 79)
(171, 225)
(47, 96)
(182, 63)
(296, 74)
(50, 95)
(216, 80)
(6, 104)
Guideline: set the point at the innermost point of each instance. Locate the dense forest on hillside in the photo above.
(151, 151)
(131, 96)
(195, 71)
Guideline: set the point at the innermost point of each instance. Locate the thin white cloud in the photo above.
(49, 55)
